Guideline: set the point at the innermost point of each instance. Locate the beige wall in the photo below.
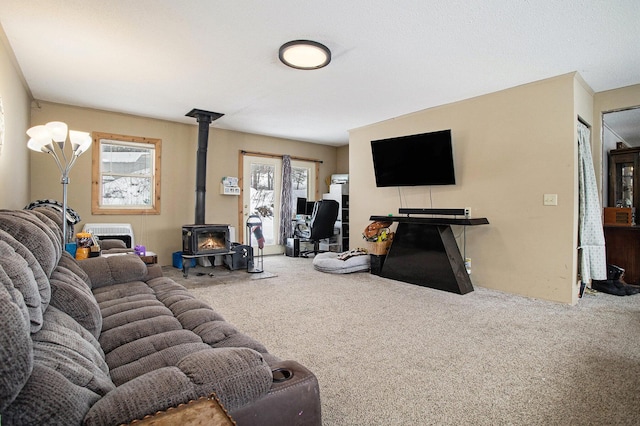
(162, 233)
(343, 159)
(510, 147)
(14, 158)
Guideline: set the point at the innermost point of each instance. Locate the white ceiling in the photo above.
(162, 58)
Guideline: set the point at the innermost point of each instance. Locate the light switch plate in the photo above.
(550, 200)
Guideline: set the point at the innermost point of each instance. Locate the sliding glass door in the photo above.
(262, 189)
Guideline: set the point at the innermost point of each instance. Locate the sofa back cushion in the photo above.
(26, 276)
(69, 375)
(107, 271)
(72, 295)
(42, 272)
(32, 251)
(16, 352)
(39, 234)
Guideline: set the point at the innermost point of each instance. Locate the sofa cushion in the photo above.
(68, 348)
(48, 398)
(16, 356)
(118, 336)
(59, 318)
(161, 358)
(69, 262)
(26, 276)
(53, 210)
(238, 376)
(36, 232)
(132, 351)
(135, 312)
(112, 243)
(13, 294)
(115, 294)
(72, 295)
(214, 331)
(110, 270)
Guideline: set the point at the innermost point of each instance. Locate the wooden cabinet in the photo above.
(623, 250)
(623, 242)
(624, 178)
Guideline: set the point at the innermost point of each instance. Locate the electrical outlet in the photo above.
(467, 212)
(550, 200)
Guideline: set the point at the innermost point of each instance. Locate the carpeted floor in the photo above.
(390, 353)
(201, 276)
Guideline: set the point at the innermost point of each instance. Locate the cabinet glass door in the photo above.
(624, 185)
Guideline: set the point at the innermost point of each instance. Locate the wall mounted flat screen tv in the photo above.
(423, 159)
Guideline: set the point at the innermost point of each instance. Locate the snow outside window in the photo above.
(126, 176)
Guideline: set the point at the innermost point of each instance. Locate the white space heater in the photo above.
(120, 231)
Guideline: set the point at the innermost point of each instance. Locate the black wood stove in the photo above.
(205, 239)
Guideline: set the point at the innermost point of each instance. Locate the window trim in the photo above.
(96, 187)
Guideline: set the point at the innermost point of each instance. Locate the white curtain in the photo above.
(286, 202)
(593, 259)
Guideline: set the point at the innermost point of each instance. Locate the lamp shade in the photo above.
(39, 145)
(40, 139)
(39, 132)
(58, 131)
(80, 141)
(304, 54)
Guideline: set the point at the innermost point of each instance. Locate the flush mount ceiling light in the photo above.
(305, 55)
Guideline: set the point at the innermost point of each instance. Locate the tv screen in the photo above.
(423, 159)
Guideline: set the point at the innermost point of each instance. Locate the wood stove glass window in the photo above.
(125, 175)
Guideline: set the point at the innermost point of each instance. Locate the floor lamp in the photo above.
(45, 138)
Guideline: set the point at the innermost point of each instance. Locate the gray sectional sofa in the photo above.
(108, 340)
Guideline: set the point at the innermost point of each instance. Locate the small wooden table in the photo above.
(150, 258)
(202, 411)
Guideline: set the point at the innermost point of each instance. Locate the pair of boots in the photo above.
(615, 287)
(614, 284)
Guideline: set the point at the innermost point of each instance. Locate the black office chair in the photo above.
(323, 219)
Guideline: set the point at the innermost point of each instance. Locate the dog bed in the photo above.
(333, 263)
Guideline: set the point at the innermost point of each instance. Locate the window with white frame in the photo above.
(125, 175)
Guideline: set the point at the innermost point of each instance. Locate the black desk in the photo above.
(424, 252)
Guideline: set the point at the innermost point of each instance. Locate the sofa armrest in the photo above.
(238, 376)
(294, 399)
(110, 270)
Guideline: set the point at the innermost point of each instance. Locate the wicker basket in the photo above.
(379, 248)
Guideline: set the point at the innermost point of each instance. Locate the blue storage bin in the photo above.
(177, 260)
